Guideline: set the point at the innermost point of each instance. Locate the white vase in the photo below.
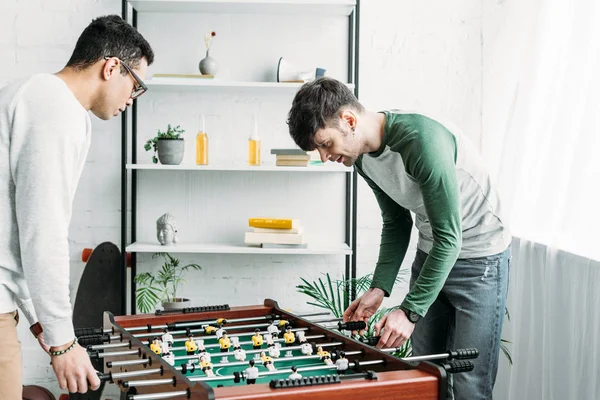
(208, 65)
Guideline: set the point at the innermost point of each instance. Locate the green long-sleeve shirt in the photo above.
(424, 168)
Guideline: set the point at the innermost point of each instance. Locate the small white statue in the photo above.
(166, 229)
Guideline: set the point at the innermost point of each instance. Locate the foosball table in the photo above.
(257, 352)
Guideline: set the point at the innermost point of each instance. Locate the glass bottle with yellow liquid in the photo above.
(202, 146)
(254, 146)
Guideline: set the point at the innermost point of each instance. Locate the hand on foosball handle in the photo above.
(394, 328)
(365, 306)
(74, 370)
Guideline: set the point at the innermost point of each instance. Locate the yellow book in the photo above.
(274, 223)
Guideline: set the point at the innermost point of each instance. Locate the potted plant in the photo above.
(162, 287)
(169, 146)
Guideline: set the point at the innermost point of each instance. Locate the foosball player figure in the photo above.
(221, 321)
(165, 348)
(219, 331)
(224, 343)
(290, 340)
(341, 363)
(267, 361)
(169, 358)
(190, 347)
(300, 338)
(167, 337)
(206, 366)
(239, 354)
(294, 375)
(283, 323)
(209, 329)
(273, 330)
(324, 355)
(251, 373)
(155, 346)
(257, 341)
(306, 349)
(274, 350)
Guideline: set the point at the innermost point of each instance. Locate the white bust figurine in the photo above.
(166, 229)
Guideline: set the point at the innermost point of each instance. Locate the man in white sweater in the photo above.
(44, 138)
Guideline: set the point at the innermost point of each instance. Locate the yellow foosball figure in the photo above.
(190, 345)
(257, 339)
(290, 340)
(221, 321)
(155, 346)
(210, 330)
(267, 361)
(324, 355)
(206, 366)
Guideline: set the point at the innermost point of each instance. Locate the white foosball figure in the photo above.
(204, 354)
(165, 347)
(239, 354)
(219, 332)
(235, 342)
(294, 374)
(306, 349)
(269, 340)
(200, 344)
(274, 351)
(300, 337)
(341, 363)
(272, 329)
(167, 338)
(170, 358)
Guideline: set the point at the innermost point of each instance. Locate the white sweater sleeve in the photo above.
(47, 146)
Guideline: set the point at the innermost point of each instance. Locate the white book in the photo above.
(257, 238)
(271, 230)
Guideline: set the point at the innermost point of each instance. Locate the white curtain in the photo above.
(541, 118)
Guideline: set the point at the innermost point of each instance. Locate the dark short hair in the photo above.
(315, 107)
(110, 36)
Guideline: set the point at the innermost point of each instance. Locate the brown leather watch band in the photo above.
(36, 329)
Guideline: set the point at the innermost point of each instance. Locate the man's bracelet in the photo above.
(61, 352)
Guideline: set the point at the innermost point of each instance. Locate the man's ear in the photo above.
(110, 67)
(348, 118)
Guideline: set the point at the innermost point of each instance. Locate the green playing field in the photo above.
(224, 371)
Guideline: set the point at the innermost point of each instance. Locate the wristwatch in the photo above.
(36, 329)
(411, 315)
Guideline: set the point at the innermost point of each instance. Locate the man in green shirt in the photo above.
(417, 165)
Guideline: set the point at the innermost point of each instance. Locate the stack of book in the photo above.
(275, 233)
(290, 157)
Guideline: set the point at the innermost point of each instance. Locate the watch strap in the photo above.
(36, 329)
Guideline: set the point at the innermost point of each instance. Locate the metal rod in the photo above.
(131, 374)
(118, 353)
(215, 345)
(157, 396)
(207, 336)
(229, 321)
(109, 346)
(150, 382)
(114, 364)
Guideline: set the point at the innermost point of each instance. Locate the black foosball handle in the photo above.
(455, 367)
(105, 377)
(463, 354)
(352, 326)
(85, 341)
(88, 331)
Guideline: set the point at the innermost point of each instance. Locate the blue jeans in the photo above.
(468, 312)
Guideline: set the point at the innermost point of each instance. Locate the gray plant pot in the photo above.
(170, 151)
(178, 304)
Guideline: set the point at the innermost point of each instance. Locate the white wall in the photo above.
(414, 55)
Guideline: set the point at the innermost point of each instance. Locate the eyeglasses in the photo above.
(138, 90)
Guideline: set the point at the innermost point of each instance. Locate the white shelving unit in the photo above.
(270, 175)
(330, 7)
(161, 83)
(240, 248)
(241, 168)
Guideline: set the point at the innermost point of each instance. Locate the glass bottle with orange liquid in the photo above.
(202, 145)
(254, 146)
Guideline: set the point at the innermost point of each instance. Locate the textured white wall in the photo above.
(426, 57)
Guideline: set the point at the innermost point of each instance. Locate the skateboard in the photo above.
(100, 289)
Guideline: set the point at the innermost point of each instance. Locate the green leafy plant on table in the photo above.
(161, 287)
(170, 133)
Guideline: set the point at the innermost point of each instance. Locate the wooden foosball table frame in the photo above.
(393, 378)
